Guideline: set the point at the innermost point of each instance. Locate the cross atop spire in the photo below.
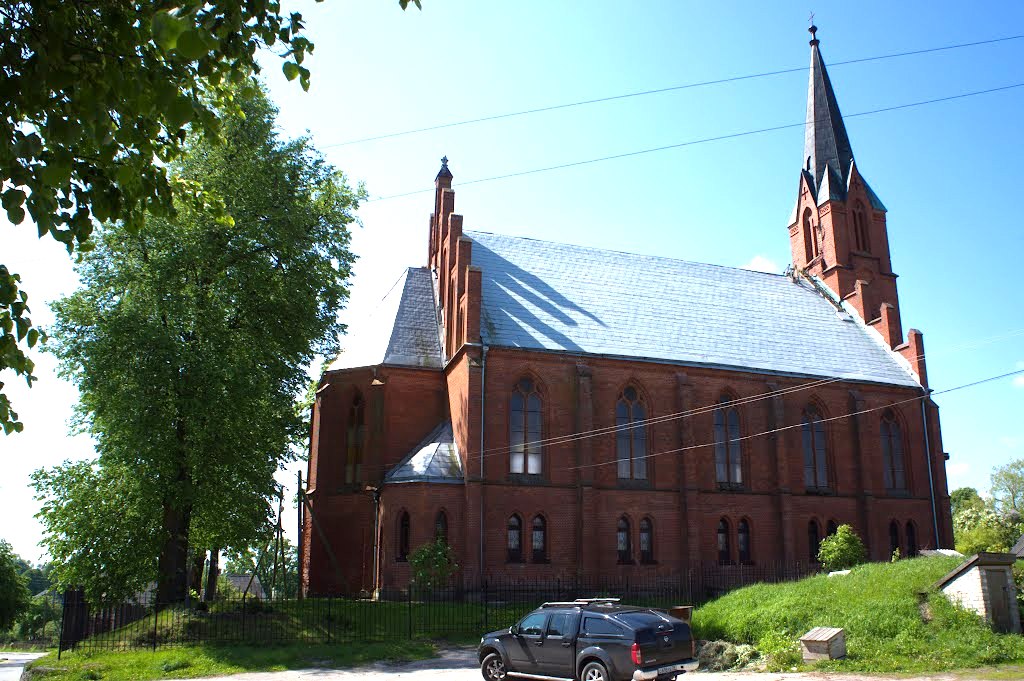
(444, 173)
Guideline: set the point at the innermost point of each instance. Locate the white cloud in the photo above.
(957, 470)
(760, 263)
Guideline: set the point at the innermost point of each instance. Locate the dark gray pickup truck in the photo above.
(594, 639)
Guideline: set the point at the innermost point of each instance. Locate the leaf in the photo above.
(192, 45)
(179, 112)
(166, 30)
(33, 337)
(16, 215)
(291, 70)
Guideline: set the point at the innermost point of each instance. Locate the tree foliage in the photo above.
(842, 550)
(964, 498)
(1008, 487)
(433, 564)
(95, 101)
(14, 596)
(286, 583)
(188, 343)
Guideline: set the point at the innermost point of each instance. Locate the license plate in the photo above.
(671, 669)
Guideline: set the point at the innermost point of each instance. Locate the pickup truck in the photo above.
(593, 639)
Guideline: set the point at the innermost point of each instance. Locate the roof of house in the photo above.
(983, 559)
(435, 459)
(1018, 548)
(401, 331)
(558, 297)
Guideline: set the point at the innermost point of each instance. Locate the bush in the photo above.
(842, 550)
(14, 595)
(433, 564)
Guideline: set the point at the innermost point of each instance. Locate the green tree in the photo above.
(14, 596)
(189, 339)
(286, 583)
(964, 498)
(1008, 487)
(842, 550)
(95, 101)
(433, 564)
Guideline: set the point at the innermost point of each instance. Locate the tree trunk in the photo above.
(211, 576)
(172, 568)
(195, 574)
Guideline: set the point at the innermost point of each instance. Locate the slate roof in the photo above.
(559, 297)
(401, 331)
(435, 459)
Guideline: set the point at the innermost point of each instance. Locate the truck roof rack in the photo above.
(579, 602)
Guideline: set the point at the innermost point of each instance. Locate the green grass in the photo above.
(197, 661)
(888, 629)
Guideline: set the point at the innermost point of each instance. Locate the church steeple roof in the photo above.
(826, 144)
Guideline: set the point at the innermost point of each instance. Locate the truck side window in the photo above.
(559, 625)
(599, 626)
(532, 625)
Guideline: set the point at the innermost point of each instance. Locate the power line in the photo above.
(643, 423)
(643, 93)
(702, 140)
(800, 425)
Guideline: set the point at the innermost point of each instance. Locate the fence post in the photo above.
(408, 594)
(156, 615)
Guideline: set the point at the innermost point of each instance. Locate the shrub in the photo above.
(842, 550)
(433, 564)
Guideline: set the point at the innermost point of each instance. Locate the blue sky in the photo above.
(949, 173)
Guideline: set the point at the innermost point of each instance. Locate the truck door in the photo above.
(557, 654)
(523, 648)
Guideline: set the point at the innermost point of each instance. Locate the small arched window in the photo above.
(911, 540)
(403, 537)
(622, 541)
(892, 453)
(631, 435)
(743, 542)
(813, 540)
(724, 549)
(515, 539)
(894, 537)
(860, 228)
(815, 454)
(810, 242)
(539, 539)
(525, 429)
(441, 527)
(355, 437)
(728, 464)
(646, 541)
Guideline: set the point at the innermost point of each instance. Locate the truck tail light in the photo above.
(634, 651)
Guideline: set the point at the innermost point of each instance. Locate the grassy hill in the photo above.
(889, 628)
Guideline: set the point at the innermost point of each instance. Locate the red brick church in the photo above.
(556, 411)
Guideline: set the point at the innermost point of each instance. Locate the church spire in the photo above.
(826, 144)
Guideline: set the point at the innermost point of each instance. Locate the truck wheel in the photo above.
(493, 667)
(594, 671)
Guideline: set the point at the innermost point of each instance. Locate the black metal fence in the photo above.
(452, 613)
(38, 627)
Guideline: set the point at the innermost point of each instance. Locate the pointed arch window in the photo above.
(894, 537)
(631, 435)
(860, 228)
(911, 540)
(724, 549)
(539, 537)
(515, 539)
(810, 240)
(892, 453)
(646, 541)
(525, 429)
(355, 440)
(403, 537)
(441, 527)
(743, 542)
(728, 461)
(813, 540)
(623, 543)
(815, 453)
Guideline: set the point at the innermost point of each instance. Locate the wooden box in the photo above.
(681, 612)
(823, 643)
